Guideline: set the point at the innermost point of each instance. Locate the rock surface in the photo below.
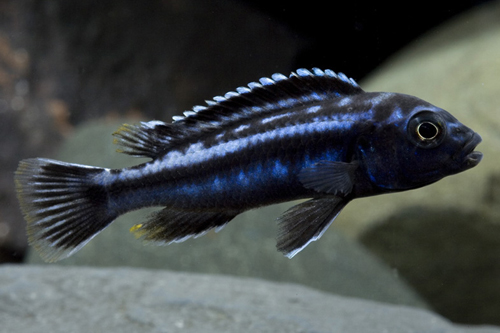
(453, 263)
(443, 238)
(63, 299)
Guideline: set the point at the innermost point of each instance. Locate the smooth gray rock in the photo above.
(69, 299)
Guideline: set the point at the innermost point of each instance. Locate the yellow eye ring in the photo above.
(427, 131)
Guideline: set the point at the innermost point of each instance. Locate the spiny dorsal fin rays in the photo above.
(272, 93)
(145, 140)
(258, 99)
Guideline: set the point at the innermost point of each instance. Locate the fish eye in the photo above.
(426, 129)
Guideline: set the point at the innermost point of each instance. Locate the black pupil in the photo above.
(427, 131)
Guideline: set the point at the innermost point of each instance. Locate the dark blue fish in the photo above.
(312, 135)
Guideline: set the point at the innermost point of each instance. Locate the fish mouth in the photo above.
(472, 157)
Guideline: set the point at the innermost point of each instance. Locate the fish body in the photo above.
(314, 135)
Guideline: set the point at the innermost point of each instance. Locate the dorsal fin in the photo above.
(256, 100)
(269, 95)
(149, 139)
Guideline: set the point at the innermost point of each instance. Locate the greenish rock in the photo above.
(84, 299)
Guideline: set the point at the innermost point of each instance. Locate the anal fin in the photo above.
(306, 222)
(174, 225)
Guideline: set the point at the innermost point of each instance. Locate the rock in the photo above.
(69, 299)
(443, 238)
(455, 67)
(451, 257)
(245, 247)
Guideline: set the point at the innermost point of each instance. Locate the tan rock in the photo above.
(456, 67)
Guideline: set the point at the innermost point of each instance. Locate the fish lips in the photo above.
(472, 158)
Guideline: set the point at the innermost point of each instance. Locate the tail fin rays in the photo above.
(64, 205)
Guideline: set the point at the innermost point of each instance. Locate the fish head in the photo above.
(439, 144)
(420, 146)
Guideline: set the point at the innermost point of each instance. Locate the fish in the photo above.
(313, 135)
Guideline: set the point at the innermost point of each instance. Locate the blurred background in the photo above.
(65, 65)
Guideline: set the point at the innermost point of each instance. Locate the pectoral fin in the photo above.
(329, 177)
(306, 222)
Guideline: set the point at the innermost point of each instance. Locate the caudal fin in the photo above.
(63, 204)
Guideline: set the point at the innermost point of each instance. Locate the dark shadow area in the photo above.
(451, 258)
